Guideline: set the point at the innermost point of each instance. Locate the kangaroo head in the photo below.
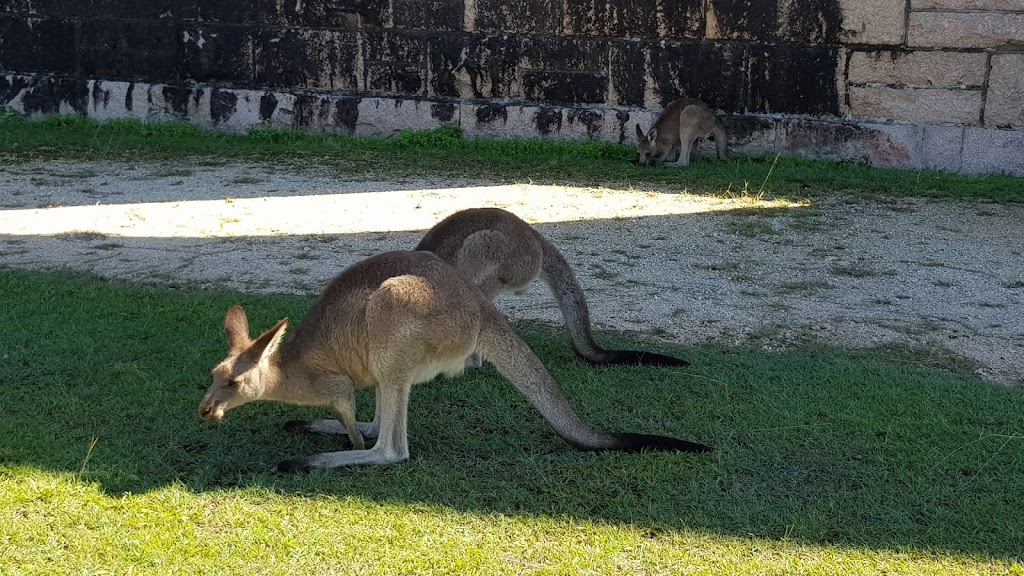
(246, 373)
(645, 144)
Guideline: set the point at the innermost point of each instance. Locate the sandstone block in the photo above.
(929, 105)
(995, 5)
(940, 147)
(917, 68)
(1005, 104)
(891, 145)
(873, 21)
(965, 30)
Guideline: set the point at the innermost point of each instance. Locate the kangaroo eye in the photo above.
(233, 383)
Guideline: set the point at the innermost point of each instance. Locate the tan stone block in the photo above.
(917, 68)
(1005, 103)
(991, 5)
(928, 105)
(872, 21)
(965, 30)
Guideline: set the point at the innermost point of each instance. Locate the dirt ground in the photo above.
(945, 275)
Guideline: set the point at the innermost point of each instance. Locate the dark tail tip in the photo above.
(296, 426)
(293, 467)
(653, 443)
(636, 357)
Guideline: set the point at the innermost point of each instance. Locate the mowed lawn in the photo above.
(882, 461)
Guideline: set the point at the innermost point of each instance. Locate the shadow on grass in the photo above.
(858, 449)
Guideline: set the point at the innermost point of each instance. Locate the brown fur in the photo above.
(390, 322)
(677, 127)
(501, 254)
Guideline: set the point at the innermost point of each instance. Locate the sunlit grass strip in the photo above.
(53, 523)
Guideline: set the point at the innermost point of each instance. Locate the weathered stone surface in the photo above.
(564, 87)
(433, 15)
(332, 14)
(629, 66)
(390, 46)
(988, 150)
(1005, 103)
(131, 50)
(524, 16)
(819, 21)
(917, 68)
(564, 54)
(929, 105)
(742, 19)
(48, 95)
(749, 136)
(395, 63)
(36, 45)
(474, 66)
(941, 146)
(715, 73)
(996, 5)
(217, 53)
(307, 59)
(681, 19)
(385, 116)
(408, 79)
(108, 9)
(966, 30)
(873, 21)
(795, 79)
(892, 145)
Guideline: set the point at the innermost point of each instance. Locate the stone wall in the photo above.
(914, 83)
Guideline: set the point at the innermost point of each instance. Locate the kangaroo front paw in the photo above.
(296, 466)
(296, 426)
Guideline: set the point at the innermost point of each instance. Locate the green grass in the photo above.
(445, 152)
(827, 461)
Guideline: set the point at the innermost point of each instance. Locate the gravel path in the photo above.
(946, 275)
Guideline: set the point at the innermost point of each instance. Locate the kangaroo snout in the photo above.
(207, 411)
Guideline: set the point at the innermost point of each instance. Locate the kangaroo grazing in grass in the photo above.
(389, 322)
(677, 127)
(501, 253)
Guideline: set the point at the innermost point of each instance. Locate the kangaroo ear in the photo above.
(639, 134)
(652, 134)
(264, 346)
(237, 327)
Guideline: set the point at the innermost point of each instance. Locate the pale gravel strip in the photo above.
(681, 268)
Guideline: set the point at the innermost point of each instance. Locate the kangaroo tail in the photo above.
(720, 138)
(514, 360)
(556, 273)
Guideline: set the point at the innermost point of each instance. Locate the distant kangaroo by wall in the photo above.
(501, 253)
(676, 128)
(389, 322)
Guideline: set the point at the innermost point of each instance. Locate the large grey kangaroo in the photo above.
(501, 253)
(676, 128)
(389, 322)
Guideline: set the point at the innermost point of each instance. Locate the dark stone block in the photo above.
(628, 82)
(742, 130)
(490, 113)
(381, 46)
(473, 66)
(333, 14)
(311, 111)
(549, 121)
(678, 19)
(819, 21)
(131, 50)
(218, 53)
(714, 73)
(223, 104)
(567, 54)
(346, 113)
(746, 19)
(592, 119)
(34, 45)
(442, 111)
(306, 59)
(794, 79)
(11, 87)
(395, 79)
(268, 104)
(48, 94)
(176, 99)
(232, 11)
(524, 16)
(434, 15)
(106, 9)
(565, 87)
